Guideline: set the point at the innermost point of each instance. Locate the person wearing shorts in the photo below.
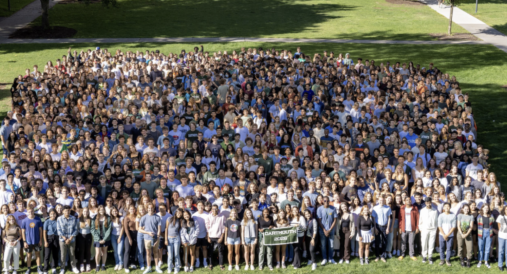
(150, 226)
(249, 233)
(232, 234)
(202, 243)
(32, 236)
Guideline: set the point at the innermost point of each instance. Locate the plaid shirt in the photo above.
(67, 227)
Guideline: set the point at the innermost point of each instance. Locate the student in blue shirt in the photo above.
(326, 216)
(51, 243)
(32, 235)
(150, 227)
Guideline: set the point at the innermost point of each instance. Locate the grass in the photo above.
(392, 266)
(15, 6)
(491, 12)
(481, 70)
(365, 19)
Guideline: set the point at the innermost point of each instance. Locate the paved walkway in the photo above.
(475, 26)
(487, 34)
(226, 39)
(21, 18)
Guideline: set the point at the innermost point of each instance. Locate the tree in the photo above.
(453, 3)
(45, 10)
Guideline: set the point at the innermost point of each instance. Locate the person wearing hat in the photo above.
(428, 225)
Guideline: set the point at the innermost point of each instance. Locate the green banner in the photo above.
(280, 236)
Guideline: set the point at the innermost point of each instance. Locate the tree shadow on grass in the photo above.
(198, 18)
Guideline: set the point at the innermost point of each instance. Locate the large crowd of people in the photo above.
(182, 160)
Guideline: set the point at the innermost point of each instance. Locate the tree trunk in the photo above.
(450, 18)
(45, 16)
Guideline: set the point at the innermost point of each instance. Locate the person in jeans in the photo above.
(464, 235)
(141, 211)
(446, 227)
(50, 242)
(129, 223)
(173, 240)
(501, 222)
(265, 222)
(67, 226)
(347, 231)
(215, 225)
(12, 238)
(409, 226)
(326, 216)
(150, 226)
(32, 236)
(117, 237)
(485, 223)
(249, 234)
(84, 241)
(382, 215)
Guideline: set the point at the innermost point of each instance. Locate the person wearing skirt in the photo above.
(365, 235)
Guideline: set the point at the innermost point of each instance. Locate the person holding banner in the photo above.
(232, 234)
(281, 221)
(249, 237)
(326, 215)
(265, 222)
(365, 225)
(296, 220)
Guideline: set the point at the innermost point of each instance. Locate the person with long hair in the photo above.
(51, 242)
(233, 236)
(464, 234)
(265, 222)
(173, 240)
(347, 231)
(101, 231)
(365, 235)
(485, 222)
(249, 233)
(12, 238)
(129, 224)
(117, 237)
(84, 241)
(296, 220)
(141, 211)
(281, 221)
(189, 233)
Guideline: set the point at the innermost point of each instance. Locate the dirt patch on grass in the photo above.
(406, 2)
(36, 32)
(454, 37)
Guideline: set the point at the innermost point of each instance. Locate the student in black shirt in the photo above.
(265, 222)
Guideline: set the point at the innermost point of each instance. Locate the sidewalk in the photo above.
(475, 26)
(21, 18)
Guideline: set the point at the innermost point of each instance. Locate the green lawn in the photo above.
(391, 266)
(491, 12)
(481, 69)
(364, 19)
(15, 6)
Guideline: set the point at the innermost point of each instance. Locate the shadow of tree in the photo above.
(180, 18)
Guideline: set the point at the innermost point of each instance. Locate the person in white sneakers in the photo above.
(150, 226)
(428, 226)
